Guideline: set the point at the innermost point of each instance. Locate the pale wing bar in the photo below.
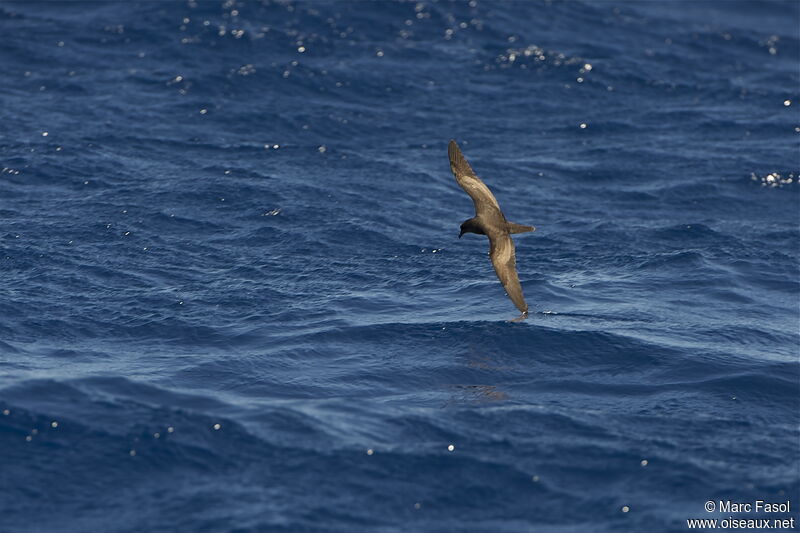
(501, 252)
(481, 196)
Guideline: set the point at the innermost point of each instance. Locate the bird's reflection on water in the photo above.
(478, 357)
(475, 393)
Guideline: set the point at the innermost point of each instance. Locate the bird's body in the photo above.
(490, 221)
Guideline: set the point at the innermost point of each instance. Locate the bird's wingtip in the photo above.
(454, 154)
(521, 317)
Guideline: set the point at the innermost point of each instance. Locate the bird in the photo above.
(489, 220)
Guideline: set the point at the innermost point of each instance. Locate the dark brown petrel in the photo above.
(490, 221)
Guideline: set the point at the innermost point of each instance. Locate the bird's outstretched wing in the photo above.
(482, 197)
(504, 260)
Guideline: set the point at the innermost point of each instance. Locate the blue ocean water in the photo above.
(233, 298)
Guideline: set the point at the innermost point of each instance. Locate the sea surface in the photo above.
(233, 297)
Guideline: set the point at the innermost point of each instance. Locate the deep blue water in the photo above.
(233, 297)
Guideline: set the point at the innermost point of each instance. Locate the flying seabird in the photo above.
(490, 221)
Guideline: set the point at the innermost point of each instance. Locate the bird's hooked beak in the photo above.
(460, 234)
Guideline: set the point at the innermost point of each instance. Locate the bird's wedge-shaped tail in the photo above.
(513, 227)
(490, 221)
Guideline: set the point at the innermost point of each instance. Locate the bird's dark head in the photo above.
(471, 226)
